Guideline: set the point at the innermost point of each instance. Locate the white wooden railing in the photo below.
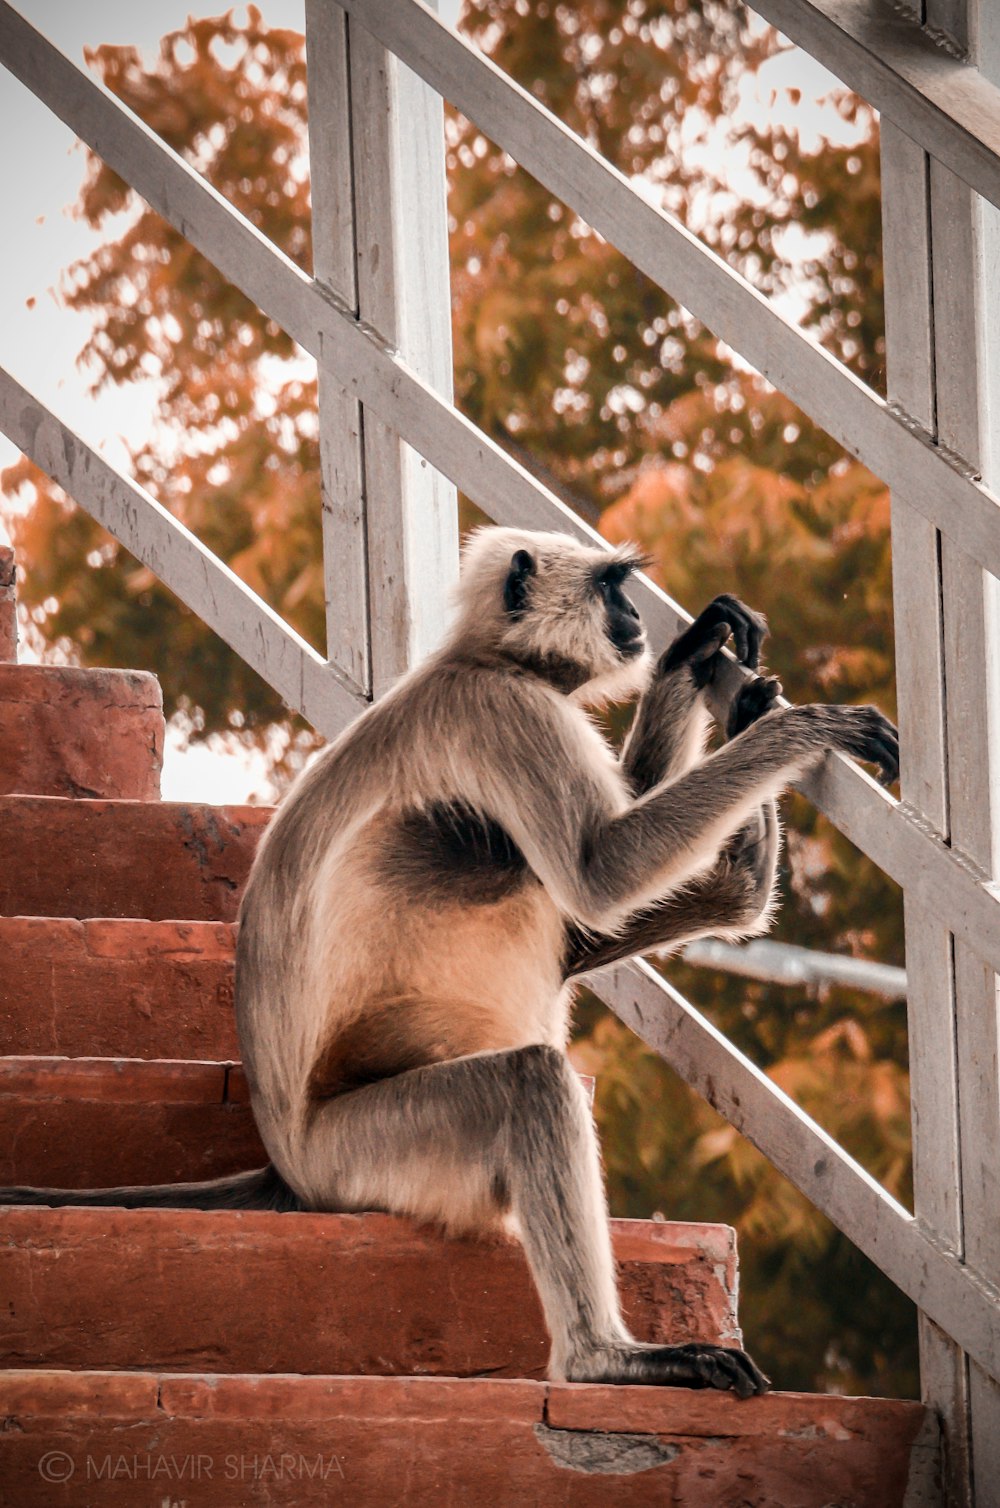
(378, 328)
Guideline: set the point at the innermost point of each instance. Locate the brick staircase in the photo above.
(188, 1360)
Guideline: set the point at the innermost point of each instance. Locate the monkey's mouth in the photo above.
(630, 646)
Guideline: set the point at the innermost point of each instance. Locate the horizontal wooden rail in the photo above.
(941, 102)
(955, 1297)
(892, 445)
(898, 842)
(299, 675)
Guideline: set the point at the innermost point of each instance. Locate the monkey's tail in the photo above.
(263, 1189)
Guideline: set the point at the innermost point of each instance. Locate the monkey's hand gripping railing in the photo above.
(942, 104)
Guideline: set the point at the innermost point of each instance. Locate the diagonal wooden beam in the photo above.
(953, 1294)
(891, 444)
(299, 675)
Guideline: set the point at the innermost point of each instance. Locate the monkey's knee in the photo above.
(540, 1066)
(550, 1126)
(545, 1087)
(752, 856)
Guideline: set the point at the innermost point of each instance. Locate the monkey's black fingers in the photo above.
(754, 700)
(749, 628)
(756, 634)
(869, 735)
(701, 640)
(710, 646)
(705, 661)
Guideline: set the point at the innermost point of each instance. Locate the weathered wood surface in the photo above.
(943, 339)
(381, 245)
(677, 261)
(403, 291)
(917, 611)
(342, 482)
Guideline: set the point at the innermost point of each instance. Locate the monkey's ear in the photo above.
(515, 592)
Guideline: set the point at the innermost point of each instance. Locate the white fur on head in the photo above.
(564, 617)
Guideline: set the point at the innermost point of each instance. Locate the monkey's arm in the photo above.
(602, 858)
(668, 731)
(733, 900)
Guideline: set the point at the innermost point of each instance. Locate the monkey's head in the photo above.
(557, 607)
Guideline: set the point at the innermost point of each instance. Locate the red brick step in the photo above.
(159, 860)
(117, 988)
(94, 1122)
(239, 1291)
(82, 1123)
(292, 1442)
(70, 731)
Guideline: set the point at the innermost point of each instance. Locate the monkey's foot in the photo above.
(688, 1366)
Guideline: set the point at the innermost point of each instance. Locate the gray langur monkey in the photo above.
(436, 876)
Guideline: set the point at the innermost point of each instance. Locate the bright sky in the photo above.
(41, 167)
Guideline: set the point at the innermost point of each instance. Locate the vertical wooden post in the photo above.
(345, 568)
(943, 339)
(380, 236)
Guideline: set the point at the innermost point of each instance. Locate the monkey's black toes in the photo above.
(753, 701)
(696, 646)
(689, 1366)
(727, 1369)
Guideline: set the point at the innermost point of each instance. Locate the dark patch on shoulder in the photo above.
(449, 852)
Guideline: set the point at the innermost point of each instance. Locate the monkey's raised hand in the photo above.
(698, 645)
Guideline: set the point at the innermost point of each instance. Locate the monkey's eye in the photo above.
(613, 575)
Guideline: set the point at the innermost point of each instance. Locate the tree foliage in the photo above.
(567, 354)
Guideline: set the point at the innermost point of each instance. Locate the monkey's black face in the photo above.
(624, 625)
(566, 611)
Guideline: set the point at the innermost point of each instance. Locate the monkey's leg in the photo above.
(492, 1132)
(671, 721)
(732, 900)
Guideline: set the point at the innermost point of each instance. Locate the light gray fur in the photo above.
(405, 1042)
